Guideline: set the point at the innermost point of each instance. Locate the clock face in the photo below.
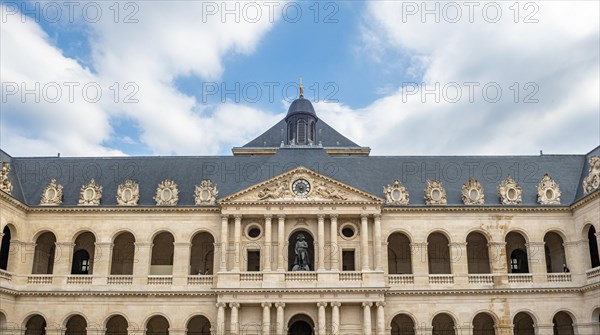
(301, 187)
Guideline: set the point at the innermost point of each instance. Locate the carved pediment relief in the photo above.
(509, 192)
(472, 193)
(128, 193)
(167, 193)
(5, 184)
(548, 191)
(52, 194)
(90, 194)
(396, 194)
(206, 193)
(435, 194)
(301, 185)
(592, 180)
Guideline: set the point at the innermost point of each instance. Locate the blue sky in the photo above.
(375, 61)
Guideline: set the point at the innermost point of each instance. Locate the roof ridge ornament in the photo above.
(592, 180)
(301, 88)
(5, 184)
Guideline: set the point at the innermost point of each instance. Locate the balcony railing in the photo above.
(160, 280)
(300, 276)
(79, 280)
(5, 275)
(593, 273)
(120, 280)
(441, 279)
(520, 278)
(481, 278)
(200, 280)
(39, 279)
(559, 277)
(251, 276)
(350, 276)
(401, 279)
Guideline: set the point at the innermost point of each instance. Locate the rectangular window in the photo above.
(253, 260)
(348, 260)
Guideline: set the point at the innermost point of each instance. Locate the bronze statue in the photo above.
(301, 250)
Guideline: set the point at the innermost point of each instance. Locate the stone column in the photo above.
(268, 243)
(233, 328)
(574, 256)
(537, 260)
(322, 320)
(20, 257)
(504, 329)
(335, 318)
(237, 240)
(497, 252)
(280, 318)
(266, 318)
(590, 328)
(62, 258)
(380, 317)
(367, 317)
(220, 328)
(377, 242)
(280, 242)
(321, 243)
(224, 244)
(364, 241)
(101, 262)
(334, 250)
(141, 268)
(181, 262)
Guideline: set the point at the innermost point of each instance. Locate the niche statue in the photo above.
(301, 249)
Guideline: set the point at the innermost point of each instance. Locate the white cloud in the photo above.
(559, 54)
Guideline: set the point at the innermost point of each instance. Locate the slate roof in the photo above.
(370, 174)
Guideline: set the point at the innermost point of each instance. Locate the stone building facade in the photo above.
(207, 245)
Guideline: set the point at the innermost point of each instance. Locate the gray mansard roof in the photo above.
(30, 176)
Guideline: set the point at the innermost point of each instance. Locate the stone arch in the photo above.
(438, 253)
(157, 324)
(163, 249)
(123, 254)
(443, 323)
(301, 324)
(399, 254)
(524, 323)
(45, 250)
(84, 249)
(292, 239)
(484, 323)
(35, 324)
(588, 233)
(554, 252)
(202, 253)
(75, 324)
(478, 255)
(8, 235)
(517, 259)
(198, 325)
(562, 322)
(403, 324)
(116, 324)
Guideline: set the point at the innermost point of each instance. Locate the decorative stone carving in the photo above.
(52, 195)
(435, 194)
(548, 191)
(5, 184)
(206, 193)
(509, 192)
(396, 194)
(329, 192)
(592, 180)
(472, 193)
(275, 191)
(128, 193)
(167, 193)
(90, 194)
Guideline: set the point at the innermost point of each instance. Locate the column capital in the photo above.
(380, 303)
(458, 244)
(494, 243)
(377, 216)
(221, 304)
(419, 244)
(143, 244)
(65, 244)
(280, 304)
(321, 217)
(535, 244)
(266, 305)
(364, 216)
(237, 216)
(336, 304)
(234, 305)
(268, 217)
(224, 217)
(104, 244)
(281, 216)
(333, 216)
(366, 304)
(182, 244)
(321, 304)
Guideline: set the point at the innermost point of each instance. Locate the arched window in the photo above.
(563, 324)
(438, 254)
(555, 252)
(442, 324)
(116, 325)
(83, 254)
(43, 259)
(301, 133)
(403, 324)
(523, 324)
(162, 254)
(516, 253)
(5, 248)
(36, 325)
(399, 254)
(202, 255)
(483, 324)
(593, 246)
(198, 325)
(76, 326)
(478, 256)
(123, 254)
(157, 325)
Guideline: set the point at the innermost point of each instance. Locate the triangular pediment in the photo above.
(301, 185)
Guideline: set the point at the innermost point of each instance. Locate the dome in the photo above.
(301, 106)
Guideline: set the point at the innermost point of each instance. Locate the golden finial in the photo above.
(301, 89)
